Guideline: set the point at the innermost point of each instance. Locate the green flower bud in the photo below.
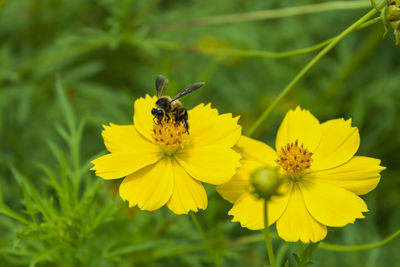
(392, 17)
(265, 182)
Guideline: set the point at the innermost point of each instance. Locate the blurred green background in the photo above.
(107, 53)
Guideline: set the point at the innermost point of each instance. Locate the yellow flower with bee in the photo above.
(320, 178)
(162, 163)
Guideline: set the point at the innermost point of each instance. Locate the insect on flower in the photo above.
(161, 165)
(171, 108)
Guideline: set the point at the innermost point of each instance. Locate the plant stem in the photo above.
(360, 247)
(267, 237)
(207, 244)
(262, 15)
(300, 248)
(260, 237)
(314, 61)
(168, 45)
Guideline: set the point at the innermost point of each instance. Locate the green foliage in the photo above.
(303, 259)
(69, 66)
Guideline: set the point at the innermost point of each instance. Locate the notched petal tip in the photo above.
(300, 109)
(380, 167)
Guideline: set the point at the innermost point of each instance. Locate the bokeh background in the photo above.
(104, 54)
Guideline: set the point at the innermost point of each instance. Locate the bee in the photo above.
(171, 108)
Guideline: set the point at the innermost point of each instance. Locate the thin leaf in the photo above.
(4, 209)
(65, 105)
(134, 248)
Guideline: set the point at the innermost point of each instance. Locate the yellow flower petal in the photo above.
(240, 181)
(296, 223)
(150, 188)
(207, 128)
(301, 125)
(142, 118)
(249, 210)
(339, 142)
(255, 154)
(125, 138)
(359, 175)
(212, 165)
(121, 164)
(188, 194)
(231, 190)
(332, 205)
(256, 150)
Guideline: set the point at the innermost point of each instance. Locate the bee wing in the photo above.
(188, 90)
(161, 85)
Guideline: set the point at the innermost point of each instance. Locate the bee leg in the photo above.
(186, 124)
(184, 118)
(161, 118)
(175, 116)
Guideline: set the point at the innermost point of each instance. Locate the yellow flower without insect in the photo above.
(320, 178)
(165, 165)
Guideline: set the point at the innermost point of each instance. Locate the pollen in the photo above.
(295, 159)
(170, 135)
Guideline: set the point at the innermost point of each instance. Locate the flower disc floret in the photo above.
(170, 135)
(294, 159)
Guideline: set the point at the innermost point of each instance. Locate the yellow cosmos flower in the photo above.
(163, 164)
(321, 178)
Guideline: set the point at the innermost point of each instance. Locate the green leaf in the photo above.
(309, 250)
(63, 132)
(65, 105)
(42, 256)
(297, 259)
(5, 210)
(33, 200)
(304, 259)
(133, 248)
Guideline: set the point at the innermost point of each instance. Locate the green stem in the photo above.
(253, 53)
(267, 237)
(207, 244)
(360, 247)
(314, 61)
(260, 237)
(262, 15)
(300, 248)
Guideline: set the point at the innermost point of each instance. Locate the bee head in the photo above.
(157, 112)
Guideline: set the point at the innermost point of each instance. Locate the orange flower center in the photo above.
(169, 135)
(295, 159)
